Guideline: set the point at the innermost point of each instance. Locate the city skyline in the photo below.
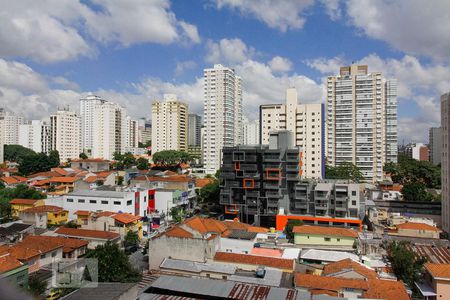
(137, 63)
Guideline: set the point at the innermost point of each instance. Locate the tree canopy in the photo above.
(7, 194)
(345, 170)
(123, 161)
(83, 155)
(290, 226)
(171, 158)
(113, 264)
(29, 161)
(142, 163)
(17, 153)
(131, 239)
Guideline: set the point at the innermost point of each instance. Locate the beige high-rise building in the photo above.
(169, 124)
(445, 161)
(65, 134)
(362, 120)
(306, 122)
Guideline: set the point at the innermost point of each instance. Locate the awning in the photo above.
(425, 289)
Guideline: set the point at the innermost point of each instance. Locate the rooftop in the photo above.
(98, 193)
(32, 246)
(417, 226)
(439, 270)
(64, 179)
(125, 218)
(321, 230)
(103, 290)
(97, 160)
(196, 267)
(44, 208)
(274, 262)
(325, 255)
(23, 201)
(349, 265)
(86, 233)
(8, 263)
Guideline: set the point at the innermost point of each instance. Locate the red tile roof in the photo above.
(44, 208)
(104, 214)
(417, 226)
(33, 246)
(347, 265)
(202, 182)
(23, 201)
(91, 160)
(178, 232)
(126, 218)
(13, 179)
(64, 179)
(439, 270)
(387, 289)
(274, 262)
(205, 225)
(60, 171)
(8, 263)
(82, 213)
(85, 233)
(91, 179)
(321, 230)
(47, 174)
(103, 174)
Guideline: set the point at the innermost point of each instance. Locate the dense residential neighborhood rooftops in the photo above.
(23, 201)
(320, 230)
(125, 218)
(238, 258)
(44, 208)
(86, 233)
(417, 226)
(349, 265)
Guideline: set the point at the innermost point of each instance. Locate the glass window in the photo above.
(104, 202)
(116, 202)
(93, 201)
(69, 200)
(129, 202)
(81, 201)
(327, 239)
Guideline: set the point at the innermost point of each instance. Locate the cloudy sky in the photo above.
(52, 52)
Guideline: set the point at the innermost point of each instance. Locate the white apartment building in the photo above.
(132, 133)
(222, 114)
(445, 161)
(109, 130)
(169, 124)
(251, 132)
(9, 127)
(306, 122)
(87, 106)
(194, 130)
(362, 120)
(35, 135)
(65, 134)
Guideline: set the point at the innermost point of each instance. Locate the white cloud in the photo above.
(280, 64)
(326, 66)
(332, 8)
(183, 66)
(228, 51)
(279, 14)
(18, 76)
(412, 26)
(51, 31)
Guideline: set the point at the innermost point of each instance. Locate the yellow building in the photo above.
(82, 216)
(17, 205)
(129, 222)
(55, 215)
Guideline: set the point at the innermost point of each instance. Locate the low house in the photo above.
(416, 230)
(72, 248)
(34, 217)
(13, 181)
(55, 215)
(252, 262)
(321, 257)
(196, 269)
(82, 217)
(17, 205)
(320, 237)
(13, 270)
(120, 223)
(64, 185)
(15, 232)
(94, 237)
(91, 164)
(436, 282)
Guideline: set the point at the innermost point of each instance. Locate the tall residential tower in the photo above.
(445, 161)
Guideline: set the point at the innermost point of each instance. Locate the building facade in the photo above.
(258, 180)
(109, 130)
(169, 124)
(194, 130)
(222, 114)
(362, 120)
(435, 145)
(445, 161)
(65, 134)
(87, 107)
(9, 127)
(306, 122)
(251, 132)
(35, 135)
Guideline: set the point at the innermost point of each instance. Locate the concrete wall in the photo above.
(418, 233)
(236, 246)
(39, 220)
(442, 289)
(180, 248)
(304, 239)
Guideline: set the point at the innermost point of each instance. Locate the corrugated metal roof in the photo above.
(196, 267)
(324, 255)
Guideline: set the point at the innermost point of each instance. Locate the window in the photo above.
(116, 202)
(338, 240)
(104, 202)
(69, 200)
(81, 201)
(145, 198)
(42, 256)
(93, 201)
(353, 193)
(129, 202)
(327, 239)
(53, 253)
(353, 202)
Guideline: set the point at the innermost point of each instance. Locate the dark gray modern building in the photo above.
(435, 145)
(194, 130)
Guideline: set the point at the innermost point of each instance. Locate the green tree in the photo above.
(142, 163)
(16, 153)
(177, 214)
(71, 224)
(406, 265)
(131, 239)
(53, 159)
(290, 226)
(113, 264)
(345, 171)
(416, 191)
(7, 194)
(36, 286)
(210, 193)
(123, 161)
(171, 158)
(83, 155)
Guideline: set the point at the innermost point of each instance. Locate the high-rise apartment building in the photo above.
(144, 131)
(361, 120)
(87, 106)
(109, 130)
(251, 132)
(435, 145)
(194, 130)
(132, 133)
(35, 135)
(222, 114)
(445, 161)
(306, 122)
(169, 124)
(65, 134)
(9, 127)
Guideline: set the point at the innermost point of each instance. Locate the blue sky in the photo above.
(131, 52)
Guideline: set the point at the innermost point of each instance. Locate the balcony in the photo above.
(271, 185)
(293, 177)
(293, 168)
(271, 194)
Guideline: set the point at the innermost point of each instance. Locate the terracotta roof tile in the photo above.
(91, 179)
(103, 174)
(47, 174)
(205, 225)
(13, 179)
(178, 232)
(104, 214)
(82, 213)
(126, 218)
(386, 289)
(85, 233)
(44, 208)
(316, 282)
(60, 171)
(8, 263)
(64, 179)
(438, 270)
(274, 262)
(202, 182)
(23, 201)
(32, 246)
(321, 230)
(417, 226)
(349, 264)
